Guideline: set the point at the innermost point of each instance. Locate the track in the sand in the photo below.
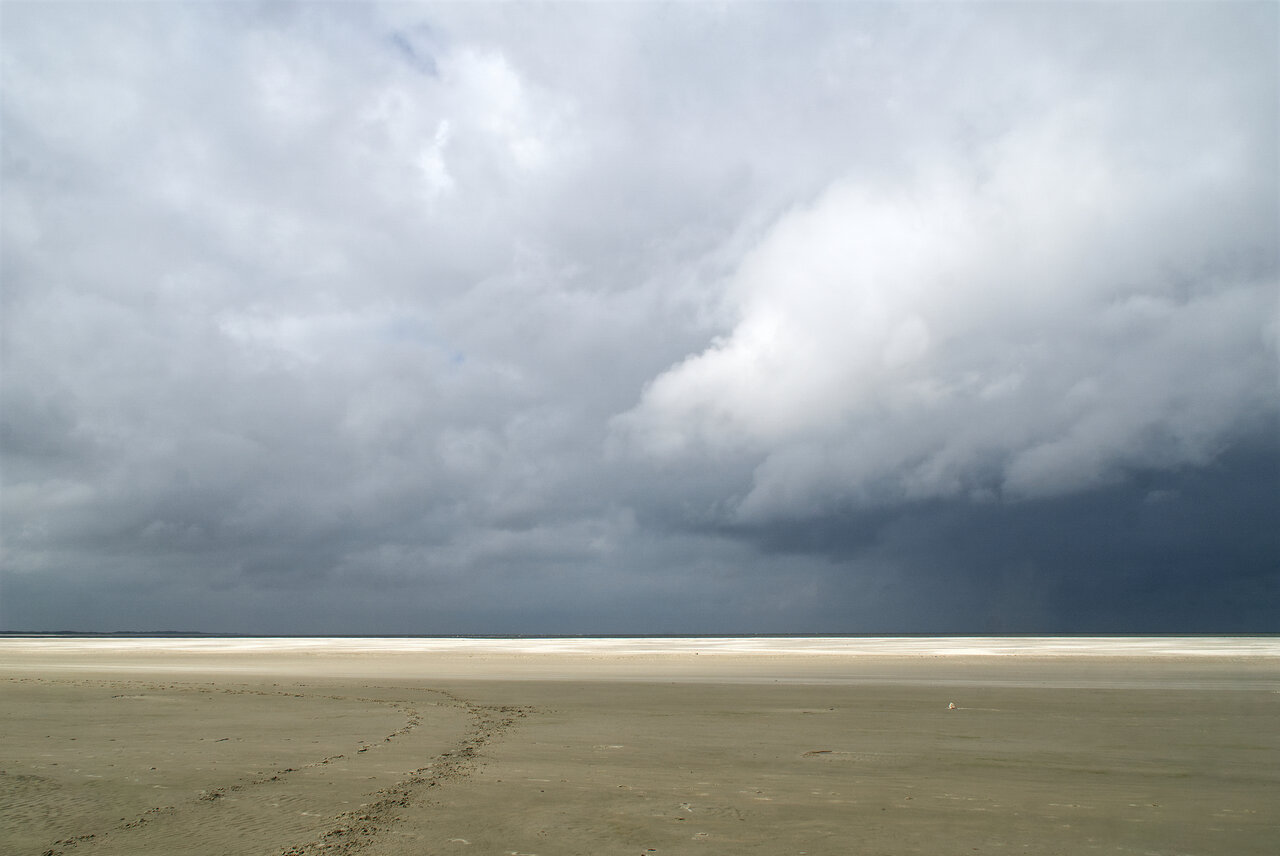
(228, 796)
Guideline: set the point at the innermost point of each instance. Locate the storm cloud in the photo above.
(485, 318)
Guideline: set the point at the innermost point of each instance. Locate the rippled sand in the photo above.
(707, 746)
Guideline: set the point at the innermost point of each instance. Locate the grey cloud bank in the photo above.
(472, 318)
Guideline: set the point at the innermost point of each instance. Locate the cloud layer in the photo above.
(640, 318)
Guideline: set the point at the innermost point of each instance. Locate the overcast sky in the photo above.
(640, 318)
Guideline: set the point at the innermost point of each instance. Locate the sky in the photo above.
(627, 318)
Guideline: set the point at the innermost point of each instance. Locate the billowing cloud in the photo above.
(1072, 299)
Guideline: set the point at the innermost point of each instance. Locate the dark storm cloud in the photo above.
(1190, 550)
(639, 318)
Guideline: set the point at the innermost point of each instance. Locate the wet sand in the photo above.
(652, 746)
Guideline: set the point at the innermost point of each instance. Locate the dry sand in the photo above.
(638, 747)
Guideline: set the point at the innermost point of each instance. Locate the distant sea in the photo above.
(1252, 645)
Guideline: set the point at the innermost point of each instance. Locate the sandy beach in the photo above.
(697, 746)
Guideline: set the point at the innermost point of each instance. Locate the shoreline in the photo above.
(845, 646)
(1219, 664)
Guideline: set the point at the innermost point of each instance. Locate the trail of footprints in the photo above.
(349, 831)
(354, 830)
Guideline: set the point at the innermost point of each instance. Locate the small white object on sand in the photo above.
(951, 706)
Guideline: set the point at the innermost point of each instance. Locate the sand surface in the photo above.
(1158, 746)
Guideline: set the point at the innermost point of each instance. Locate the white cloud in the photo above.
(435, 171)
(1033, 320)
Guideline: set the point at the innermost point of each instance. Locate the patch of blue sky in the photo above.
(415, 55)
